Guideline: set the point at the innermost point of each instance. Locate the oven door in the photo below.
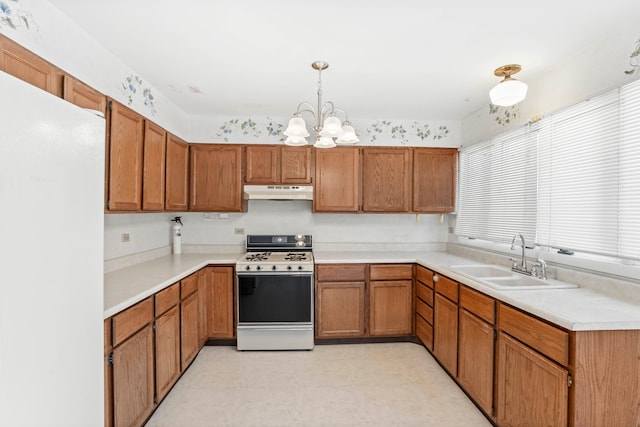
(275, 298)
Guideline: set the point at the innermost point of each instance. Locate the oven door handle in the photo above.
(273, 273)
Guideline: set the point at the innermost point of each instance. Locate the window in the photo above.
(581, 166)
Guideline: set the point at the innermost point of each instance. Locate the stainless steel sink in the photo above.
(482, 270)
(502, 278)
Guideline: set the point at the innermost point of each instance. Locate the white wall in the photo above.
(56, 38)
(362, 231)
(593, 69)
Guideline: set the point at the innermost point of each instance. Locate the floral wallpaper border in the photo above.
(396, 131)
(13, 16)
(132, 87)
(504, 115)
(634, 60)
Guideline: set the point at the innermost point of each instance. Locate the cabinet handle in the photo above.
(435, 278)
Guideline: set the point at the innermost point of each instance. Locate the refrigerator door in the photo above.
(51, 259)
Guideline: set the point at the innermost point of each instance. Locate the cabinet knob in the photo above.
(435, 278)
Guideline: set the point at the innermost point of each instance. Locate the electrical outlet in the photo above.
(125, 237)
(239, 230)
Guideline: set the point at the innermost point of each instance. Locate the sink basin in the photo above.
(524, 282)
(482, 270)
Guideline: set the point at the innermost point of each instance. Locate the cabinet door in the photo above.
(445, 332)
(126, 143)
(202, 306)
(133, 390)
(108, 375)
(177, 175)
(83, 96)
(220, 319)
(153, 167)
(532, 390)
(167, 350)
(434, 179)
(263, 164)
(476, 358)
(295, 165)
(21, 63)
(337, 180)
(386, 179)
(390, 308)
(216, 178)
(340, 309)
(190, 338)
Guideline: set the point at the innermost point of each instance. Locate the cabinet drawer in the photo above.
(424, 293)
(129, 321)
(424, 331)
(390, 272)
(167, 298)
(479, 304)
(424, 275)
(446, 287)
(340, 272)
(545, 338)
(188, 285)
(425, 311)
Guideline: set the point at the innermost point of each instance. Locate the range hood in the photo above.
(278, 192)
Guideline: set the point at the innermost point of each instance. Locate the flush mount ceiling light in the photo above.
(509, 91)
(329, 129)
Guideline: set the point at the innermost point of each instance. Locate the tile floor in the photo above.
(395, 384)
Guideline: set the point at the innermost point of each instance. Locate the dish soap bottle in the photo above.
(177, 235)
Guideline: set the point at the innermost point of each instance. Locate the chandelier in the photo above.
(329, 129)
(509, 91)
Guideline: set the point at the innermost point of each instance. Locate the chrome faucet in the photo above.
(522, 268)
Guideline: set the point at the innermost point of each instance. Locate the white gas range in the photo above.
(275, 290)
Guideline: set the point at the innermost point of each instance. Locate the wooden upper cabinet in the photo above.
(263, 164)
(337, 173)
(82, 95)
(269, 164)
(177, 175)
(386, 179)
(153, 181)
(434, 179)
(25, 65)
(296, 165)
(216, 178)
(126, 143)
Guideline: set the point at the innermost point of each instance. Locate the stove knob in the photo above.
(258, 268)
(288, 267)
(299, 267)
(247, 268)
(273, 268)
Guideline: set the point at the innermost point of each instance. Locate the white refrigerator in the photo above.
(51, 260)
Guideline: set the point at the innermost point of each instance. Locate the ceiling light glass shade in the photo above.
(508, 92)
(324, 142)
(348, 136)
(297, 127)
(332, 127)
(296, 141)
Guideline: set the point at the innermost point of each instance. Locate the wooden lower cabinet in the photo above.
(219, 301)
(167, 345)
(390, 308)
(531, 389)
(476, 359)
(133, 379)
(190, 315)
(340, 309)
(445, 332)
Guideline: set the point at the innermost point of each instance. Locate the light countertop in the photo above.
(575, 309)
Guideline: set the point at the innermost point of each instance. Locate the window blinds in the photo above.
(497, 192)
(571, 180)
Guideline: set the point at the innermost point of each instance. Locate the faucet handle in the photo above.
(542, 273)
(514, 262)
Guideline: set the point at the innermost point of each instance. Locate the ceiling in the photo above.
(406, 59)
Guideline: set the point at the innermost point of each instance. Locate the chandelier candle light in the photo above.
(328, 127)
(509, 91)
